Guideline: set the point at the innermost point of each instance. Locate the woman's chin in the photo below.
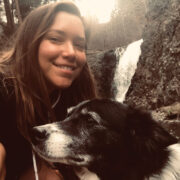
(59, 84)
(63, 85)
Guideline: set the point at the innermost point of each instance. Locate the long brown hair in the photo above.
(20, 66)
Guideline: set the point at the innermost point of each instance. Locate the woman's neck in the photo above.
(54, 97)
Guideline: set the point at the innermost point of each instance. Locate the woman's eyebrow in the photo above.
(57, 31)
(64, 34)
(80, 39)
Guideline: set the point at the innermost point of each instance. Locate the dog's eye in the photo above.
(91, 121)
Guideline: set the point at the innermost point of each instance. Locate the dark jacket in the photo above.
(18, 150)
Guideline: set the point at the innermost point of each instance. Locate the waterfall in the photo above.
(126, 68)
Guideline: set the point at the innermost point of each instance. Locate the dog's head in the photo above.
(100, 130)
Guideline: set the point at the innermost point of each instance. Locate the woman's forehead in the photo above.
(69, 24)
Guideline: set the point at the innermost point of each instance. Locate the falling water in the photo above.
(126, 68)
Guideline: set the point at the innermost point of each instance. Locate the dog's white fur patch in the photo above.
(84, 111)
(172, 169)
(86, 159)
(84, 174)
(77, 106)
(94, 115)
(56, 144)
(70, 109)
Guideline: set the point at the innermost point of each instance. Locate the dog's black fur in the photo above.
(121, 142)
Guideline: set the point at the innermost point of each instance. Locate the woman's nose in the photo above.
(69, 50)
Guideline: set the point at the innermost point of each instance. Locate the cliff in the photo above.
(156, 83)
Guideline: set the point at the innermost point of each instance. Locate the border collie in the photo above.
(105, 140)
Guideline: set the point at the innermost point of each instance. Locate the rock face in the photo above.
(157, 79)
(156, 83)
(103, 64)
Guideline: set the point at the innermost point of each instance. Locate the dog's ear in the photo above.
(145, 134)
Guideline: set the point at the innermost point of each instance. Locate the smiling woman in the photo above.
(43, 74)
(100, 8)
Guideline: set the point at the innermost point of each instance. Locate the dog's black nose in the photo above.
(37, 135)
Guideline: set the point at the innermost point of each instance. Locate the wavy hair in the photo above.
(20, 67)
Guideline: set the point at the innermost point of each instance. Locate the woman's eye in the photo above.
(80, 45)
(55, 39)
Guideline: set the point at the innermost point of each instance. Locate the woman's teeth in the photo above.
(64, 67)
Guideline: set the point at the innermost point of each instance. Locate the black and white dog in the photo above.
(105, 140)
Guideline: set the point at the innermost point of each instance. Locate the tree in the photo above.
(18, 11)
(9, 16)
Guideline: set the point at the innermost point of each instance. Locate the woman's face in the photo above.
(61, 53)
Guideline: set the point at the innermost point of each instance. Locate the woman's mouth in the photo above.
(65, 67)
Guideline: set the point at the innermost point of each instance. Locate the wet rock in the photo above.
(169, 118)
(157, 79)
(103, 64)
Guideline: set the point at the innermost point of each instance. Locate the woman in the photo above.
(41, 76)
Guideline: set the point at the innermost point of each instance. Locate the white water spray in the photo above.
(126, 69)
